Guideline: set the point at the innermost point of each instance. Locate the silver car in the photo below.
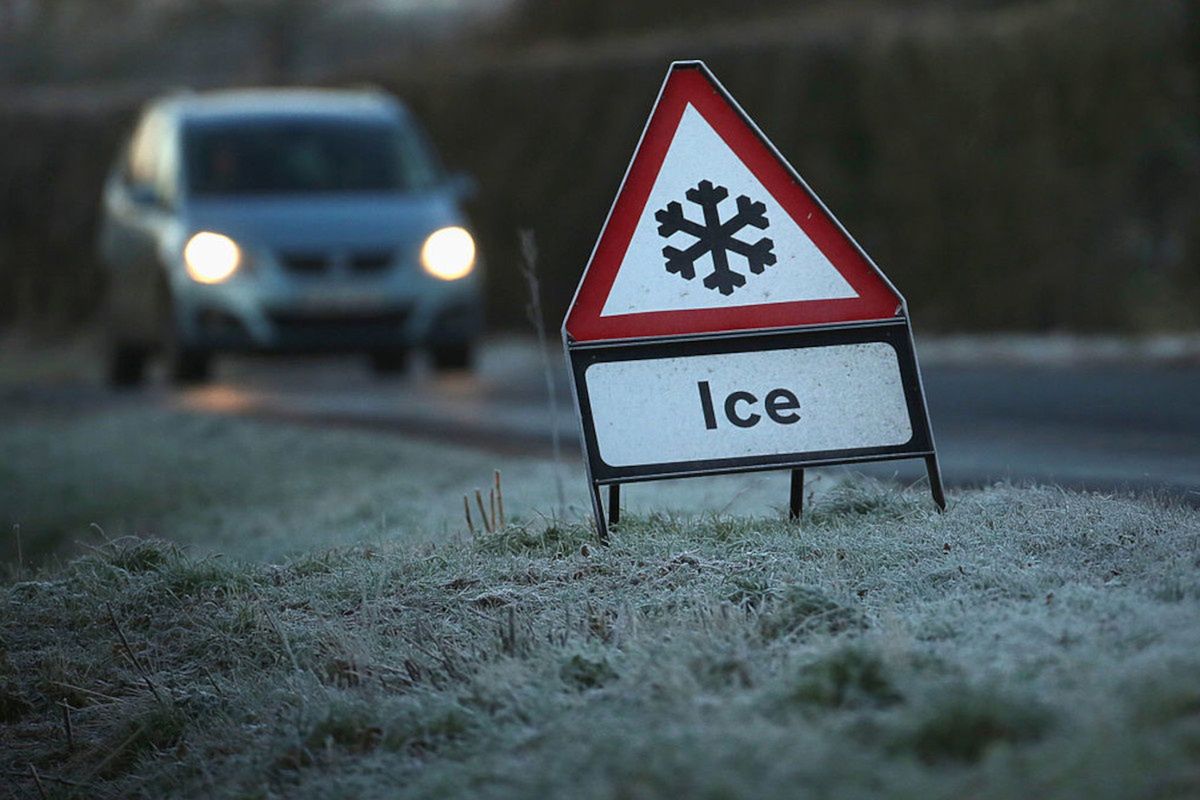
(285, 220)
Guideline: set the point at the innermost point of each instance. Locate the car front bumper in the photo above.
(328, 318)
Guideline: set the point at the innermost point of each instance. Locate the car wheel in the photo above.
(452, 356)
(185, 365)
(126, 365)
(389, 362)
(189, 366)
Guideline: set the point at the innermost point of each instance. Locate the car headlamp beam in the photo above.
(448, 253)
(211, 257)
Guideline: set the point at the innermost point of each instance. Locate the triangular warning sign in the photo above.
(713, 231)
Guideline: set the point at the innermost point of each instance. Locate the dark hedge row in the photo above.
(1026, 168)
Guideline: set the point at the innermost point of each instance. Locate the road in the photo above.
(1113, 425)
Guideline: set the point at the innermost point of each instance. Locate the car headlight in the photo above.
(449, 254)
(211, 257)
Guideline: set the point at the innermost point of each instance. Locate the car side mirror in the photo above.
(463, 186)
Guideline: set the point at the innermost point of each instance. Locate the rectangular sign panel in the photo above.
(673, 407)
(741, 405)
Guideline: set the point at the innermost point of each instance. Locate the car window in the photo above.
(291, 156)
(150, 161)
(144, 157)
(166, 169)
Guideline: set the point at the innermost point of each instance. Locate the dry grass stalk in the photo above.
(467, 512)
(483, 511)
(20, 555)
(84, 690)
(133, 657)
(213, 682)
(52, 778)
(70, 731)
(37, 781)
(499, 497)
(529, 255)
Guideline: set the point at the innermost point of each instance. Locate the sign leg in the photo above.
(614, 503)
(796, 499)
(598, 513)
(935, 481)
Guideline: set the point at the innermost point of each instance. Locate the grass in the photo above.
(1029, 642)
(265, 491)
(301, 613)
(261, 491)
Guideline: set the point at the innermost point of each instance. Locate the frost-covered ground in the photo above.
(265, 491)
(1031, 642)
(1028, 643)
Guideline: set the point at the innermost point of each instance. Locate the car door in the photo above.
(139, 211)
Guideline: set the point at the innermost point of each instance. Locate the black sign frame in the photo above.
(896, 332)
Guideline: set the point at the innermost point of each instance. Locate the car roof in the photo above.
(227, 105)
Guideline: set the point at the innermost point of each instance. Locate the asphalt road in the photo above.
(1108, 426)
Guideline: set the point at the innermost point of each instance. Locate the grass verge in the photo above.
(254, 490)
(1029, 642)
(120, 465)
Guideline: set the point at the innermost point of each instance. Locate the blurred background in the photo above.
(1027, 166)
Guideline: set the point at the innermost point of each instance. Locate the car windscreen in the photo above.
(305, 156)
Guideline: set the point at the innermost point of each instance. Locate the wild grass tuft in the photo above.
(587, 672)
(867, 499)
(965, 721)
(802, 609)
(554, 540)
(848, 676)
(146, 733)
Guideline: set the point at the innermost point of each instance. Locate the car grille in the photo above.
(339, 324)
(362, 262)
(305, 263)
(370, 262)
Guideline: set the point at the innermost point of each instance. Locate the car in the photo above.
(299, 220)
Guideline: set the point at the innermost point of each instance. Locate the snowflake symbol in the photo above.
(715, 237)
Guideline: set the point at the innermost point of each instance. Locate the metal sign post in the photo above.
(727, 322)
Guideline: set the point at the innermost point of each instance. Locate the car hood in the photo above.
(325, 222)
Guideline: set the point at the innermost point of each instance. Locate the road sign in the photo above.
(726, 321)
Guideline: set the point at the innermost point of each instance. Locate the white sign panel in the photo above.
(739, 405)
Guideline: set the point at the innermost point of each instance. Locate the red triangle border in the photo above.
(692, 83)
